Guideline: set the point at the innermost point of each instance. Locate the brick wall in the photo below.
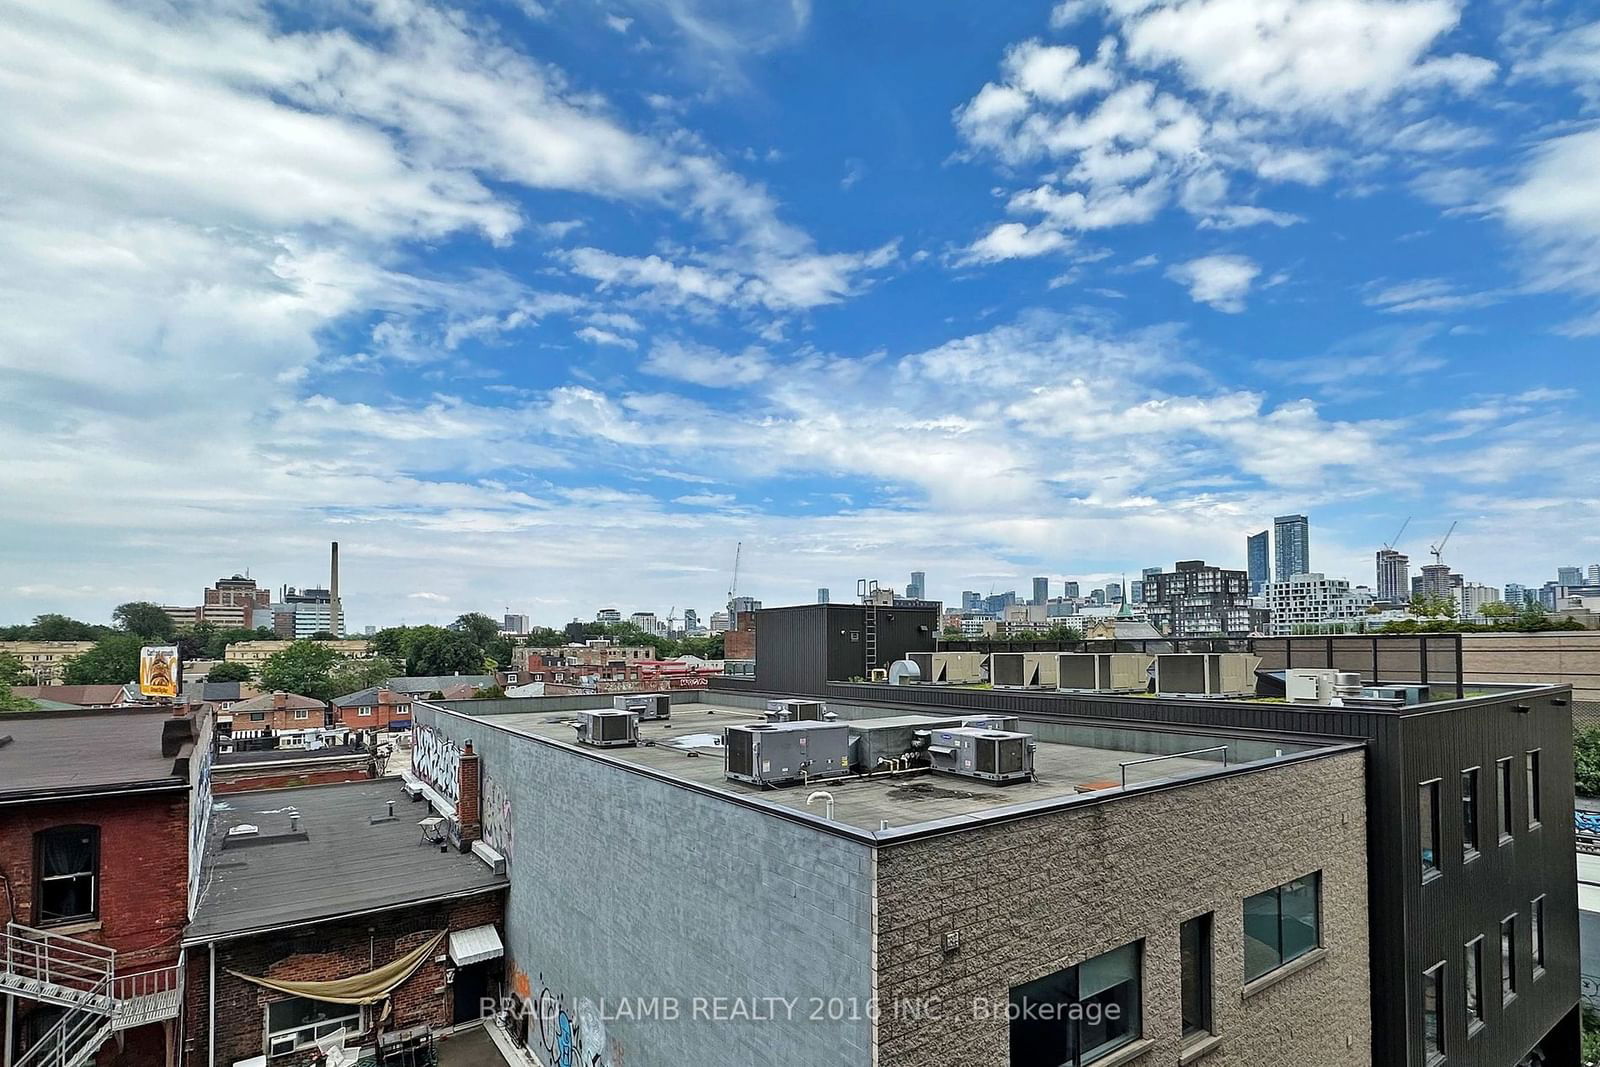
(1032, 897)
(241, 779)
(337, 949)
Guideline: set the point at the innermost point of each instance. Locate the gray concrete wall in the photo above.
(626, 888)
(1032, 897)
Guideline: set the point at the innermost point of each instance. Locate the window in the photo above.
(1428, 827)
(1281, 925)
(1078, 1015)
(364, 712)
(1432, 1025)
(297, 1022)
(1469, 812)
(67, 859)
(302, 713)
(258, 716)
(1536, 927)
(1194, 940)
(1508, 958)
(1533, 789)
(1474, 974)
(1503, 776)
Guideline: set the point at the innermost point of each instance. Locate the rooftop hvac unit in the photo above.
(1309, 686)
(892, 737)
(949, 668)
(990, 755)
(1022, 670)
(1408, 693)
(775, 754)
(1206, 674)
(1004, 723)
(1103, 672)
(608, 729)
(648, 706)
(924, 662)
(796, 710)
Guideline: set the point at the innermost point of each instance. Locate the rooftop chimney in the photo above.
(280, 699)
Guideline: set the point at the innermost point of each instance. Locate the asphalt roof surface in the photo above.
(340, 863)
(66, 751)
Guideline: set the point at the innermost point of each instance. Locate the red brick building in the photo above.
(378, 708)
(95, 876)
(386, 885)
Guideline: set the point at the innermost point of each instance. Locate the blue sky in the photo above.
(548, 304)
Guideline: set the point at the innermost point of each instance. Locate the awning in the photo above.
(365, 988)
(475, 945)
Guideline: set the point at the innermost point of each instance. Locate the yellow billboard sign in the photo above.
(158, 671)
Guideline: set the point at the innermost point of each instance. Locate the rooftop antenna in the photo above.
(1395, 540)
(1438, 549)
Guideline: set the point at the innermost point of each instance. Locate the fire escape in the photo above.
(81, 978)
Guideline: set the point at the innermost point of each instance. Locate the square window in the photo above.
(1078, 1015)
(67, 862)
(1281, 925)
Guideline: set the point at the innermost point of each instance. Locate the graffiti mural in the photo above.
(436, 760)
(497, 832)
(560, 1034)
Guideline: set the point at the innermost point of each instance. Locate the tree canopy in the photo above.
(112, 660)
(144, 619)
(12, 672)
(54, 628)
(229, 671)
(445, 652)
(305, 667)
(354, 675)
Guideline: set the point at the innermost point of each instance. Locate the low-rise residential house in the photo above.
(277, 720)
(377, 708)
(220, 695)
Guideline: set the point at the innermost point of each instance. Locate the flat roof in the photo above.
(71, 752)
(689, 748)
(340, 863)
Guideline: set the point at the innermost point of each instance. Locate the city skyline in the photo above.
(482, 295)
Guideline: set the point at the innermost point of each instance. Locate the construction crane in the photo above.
(733, 586)
(1438, 549)
(672, 619)
(1395, 540)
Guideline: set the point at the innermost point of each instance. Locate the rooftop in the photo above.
(80, 695)
(422, 686)
(1070, 760)
(66, 753)
(339, 863)
(269, 701)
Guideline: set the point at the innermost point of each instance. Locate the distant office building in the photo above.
(1097, 596)
(608, 615)
(1041, 591)
(741, 604)
(915, 589)
(236, 603)
(1593, 574)
(1474, 595)
(1516, 595)
(301, 613)
(1569, 575)
(999, 602)
(1258, 553)
(646, 621)
(1196, 600)
(822, 595)
(971, 601)
(516, 624)
(718, 622)
(1292, 534)
(1436, 580)
(1315, 602)
(1394, 575)
(1136, 592)
(691, 621)
(1113, 592)
(1071, 591)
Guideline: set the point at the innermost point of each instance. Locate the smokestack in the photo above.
(333, 590)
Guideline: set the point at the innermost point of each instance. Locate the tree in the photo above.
(1062, 632)
(305, 667)
(113, 660)
(11, 702)
(144, 619)
(354, 675)
(544, 637)
(229, 671)
(12, 672)
(1497, 611)
(1586, 762)
(445, 652)
(478, 626)
(324, 635)
(56, 628)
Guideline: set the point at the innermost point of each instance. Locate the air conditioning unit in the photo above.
(925, 667)
(1003, 723)
(648, 706)
(783, 753)
(1103, 672)
(1022, 670)
(990, 755)
(1309, 686)
(949, 668)
(796, 710)
(1206, 674)
(1405, 692)
(608, 729)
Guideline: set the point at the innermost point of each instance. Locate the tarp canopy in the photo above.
(365, 988)
(476, 945)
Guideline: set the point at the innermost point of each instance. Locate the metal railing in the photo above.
(146, 996)
(1173, 755)
(71, 1042)
(57, 968)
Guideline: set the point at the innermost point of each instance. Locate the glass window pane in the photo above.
(1508, 958)
(1042, 1034)
(1533, 788)
(1475, 981)
(1108, 1002)
(1503, 778)
(1428, 826)
(1301, 931)
(1194, 939)
(1536, 922)
(1469, 810)
(1261, 934)
(1432, 1031)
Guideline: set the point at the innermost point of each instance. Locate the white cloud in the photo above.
(704, 365)
(1222, 281)
(1013, 240)
(618, 23)
(595, 335)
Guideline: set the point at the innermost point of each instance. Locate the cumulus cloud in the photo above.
(1222, 281)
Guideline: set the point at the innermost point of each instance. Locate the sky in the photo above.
(546, 305)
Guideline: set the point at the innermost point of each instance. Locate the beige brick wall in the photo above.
(1031, 897)
(1552, 657)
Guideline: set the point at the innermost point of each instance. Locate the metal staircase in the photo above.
(81, 977)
